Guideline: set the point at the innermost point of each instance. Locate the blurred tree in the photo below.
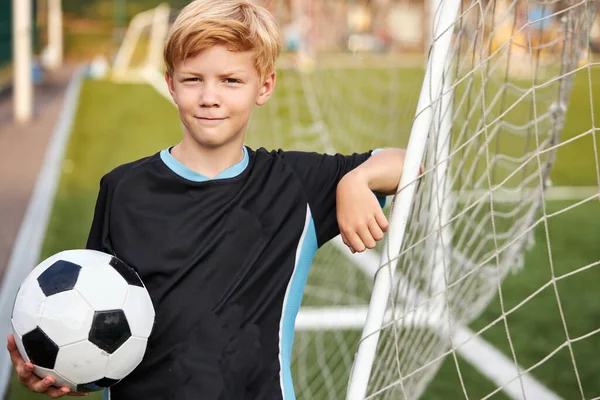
(5, 31)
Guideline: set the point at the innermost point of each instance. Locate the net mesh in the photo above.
(509, 79)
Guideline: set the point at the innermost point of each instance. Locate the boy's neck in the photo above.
(209, 162)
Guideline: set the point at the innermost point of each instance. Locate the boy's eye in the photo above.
(232, 80)
(192, 80)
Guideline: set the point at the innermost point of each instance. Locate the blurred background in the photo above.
(82, 91)
(94, 28)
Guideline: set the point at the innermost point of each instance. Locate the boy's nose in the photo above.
(209, 97)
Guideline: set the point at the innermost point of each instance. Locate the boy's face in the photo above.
(215, 92)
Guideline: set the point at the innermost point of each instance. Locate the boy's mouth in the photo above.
(210, 121)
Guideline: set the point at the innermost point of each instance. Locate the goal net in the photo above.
(478, 92)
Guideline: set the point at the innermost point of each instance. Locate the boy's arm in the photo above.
(322, 174)
(381, 172)
(360, 217)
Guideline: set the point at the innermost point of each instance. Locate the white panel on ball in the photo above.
(139, 311)
(59, 379)
(81, 362)
(66, 318)
(123, 361)
(103, 287)
(20, 346)
(87, 258)
(28, 305)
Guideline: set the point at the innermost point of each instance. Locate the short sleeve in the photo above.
(99, 238)
(319, 175)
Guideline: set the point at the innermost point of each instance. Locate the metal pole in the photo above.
(22, 61)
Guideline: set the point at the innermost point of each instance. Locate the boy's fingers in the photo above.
(41, 385)
(11, 346)
(375, 229)
(10, 343)
(66, 391)
(365, 239)
(27, 370)
(381, 220)
(24, 369)
(15, 357)
(27, 379)
(56, 393)
(63, 391)
(353, 241)
(347, 242)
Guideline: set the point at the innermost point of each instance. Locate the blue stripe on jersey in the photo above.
(307, 248)
(194, 176)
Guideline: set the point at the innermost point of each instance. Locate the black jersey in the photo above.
(225, 261)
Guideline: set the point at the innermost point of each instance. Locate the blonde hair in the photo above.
(237, 24)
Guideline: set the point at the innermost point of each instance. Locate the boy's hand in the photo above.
(360, 217)
(32, 382)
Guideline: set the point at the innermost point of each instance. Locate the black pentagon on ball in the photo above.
(59, 277)
(128, 273)
(40, 348)
(110, 330)
(97, 385)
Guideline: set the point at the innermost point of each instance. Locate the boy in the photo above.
(223, 235)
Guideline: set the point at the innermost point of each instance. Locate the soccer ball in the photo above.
(84, 318)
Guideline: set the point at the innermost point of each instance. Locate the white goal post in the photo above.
(434, 97)
(140, 55)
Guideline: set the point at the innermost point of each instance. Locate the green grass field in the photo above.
(140, 122)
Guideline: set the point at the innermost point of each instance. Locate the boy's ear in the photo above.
(169, 80)
(266, 90)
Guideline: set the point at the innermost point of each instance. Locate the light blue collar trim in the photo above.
(194, 176)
